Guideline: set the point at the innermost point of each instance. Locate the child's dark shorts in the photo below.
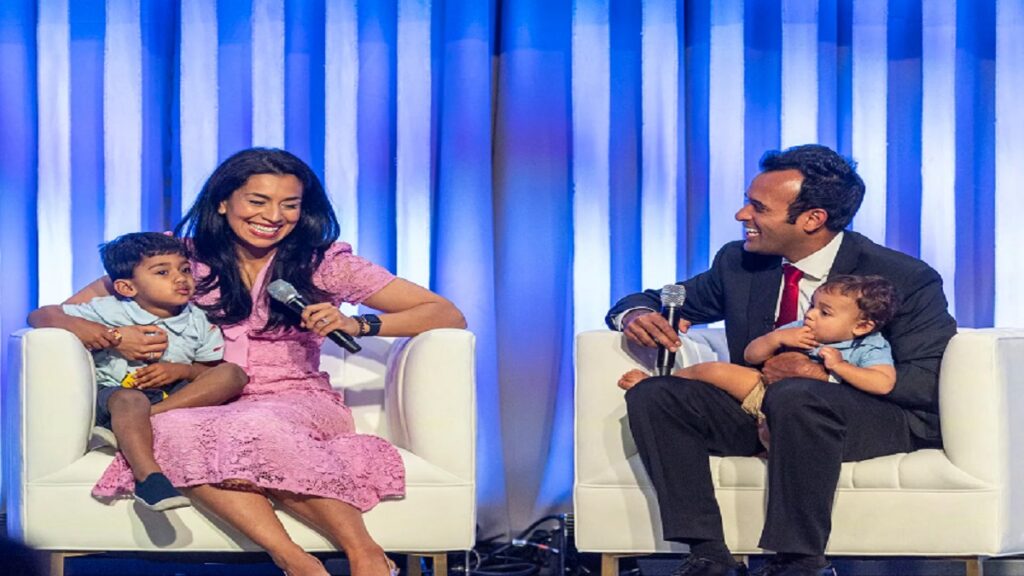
(155, 395)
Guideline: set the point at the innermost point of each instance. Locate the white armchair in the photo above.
(419, 393)
(965, 500)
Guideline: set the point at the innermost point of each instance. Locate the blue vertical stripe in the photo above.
(975, 164)
(158, 26)
(234, 77)
(903, 128)
(376, 132)
(624, 147)
(304, 81)
(844, 77)
(762, 76)
(693, 238)
(87, 25)
(828, 73)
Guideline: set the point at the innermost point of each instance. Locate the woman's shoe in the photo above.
(392, 567)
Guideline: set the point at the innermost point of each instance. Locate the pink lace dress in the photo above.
(288, 430)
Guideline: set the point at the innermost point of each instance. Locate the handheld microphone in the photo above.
(672, 298)
(285, 293)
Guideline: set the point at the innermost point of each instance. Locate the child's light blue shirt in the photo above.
(870, 350)
(190, 336)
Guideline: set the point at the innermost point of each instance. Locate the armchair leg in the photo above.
(439, 562)
(973, 567)
(56, 564)
(56, 567)
(609, 565)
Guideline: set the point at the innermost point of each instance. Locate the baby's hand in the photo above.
(800, 337)
(632, 378)
(831, 357)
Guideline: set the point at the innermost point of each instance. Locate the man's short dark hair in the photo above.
(122, 254)
(831, 182)
(876, 297)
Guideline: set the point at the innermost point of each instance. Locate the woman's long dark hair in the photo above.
(298, 254)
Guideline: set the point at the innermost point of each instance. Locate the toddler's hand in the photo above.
(831, 357)
(160, 374)
(632, 378)
(797, 337)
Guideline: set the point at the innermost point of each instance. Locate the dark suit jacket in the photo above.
(742, 288)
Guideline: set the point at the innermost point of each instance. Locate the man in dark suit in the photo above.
(794, 218)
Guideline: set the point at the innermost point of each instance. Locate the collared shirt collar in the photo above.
(140, 317)
(818, 264)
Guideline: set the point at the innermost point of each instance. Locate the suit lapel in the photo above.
(848, 256)
(765, 283)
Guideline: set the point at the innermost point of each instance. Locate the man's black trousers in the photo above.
(815, 426)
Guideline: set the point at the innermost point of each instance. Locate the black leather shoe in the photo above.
(774, 568)
(704, 567)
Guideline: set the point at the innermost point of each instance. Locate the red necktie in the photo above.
(790, 294)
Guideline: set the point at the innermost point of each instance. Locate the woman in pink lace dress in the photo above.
(263, 215)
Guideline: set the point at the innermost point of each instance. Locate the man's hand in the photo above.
(800, 337)
(792, 365)
(650, 329)
(161, 374)
(146, 343)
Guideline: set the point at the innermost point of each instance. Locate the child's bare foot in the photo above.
(632, 378)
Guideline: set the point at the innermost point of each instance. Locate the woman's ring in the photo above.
(151, 356)
(322, 321)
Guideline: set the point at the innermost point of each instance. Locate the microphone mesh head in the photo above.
(282, 291)
(673, 295)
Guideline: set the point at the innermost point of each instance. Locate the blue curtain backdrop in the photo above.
(532, 160)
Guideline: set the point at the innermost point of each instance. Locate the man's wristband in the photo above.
(369, 325)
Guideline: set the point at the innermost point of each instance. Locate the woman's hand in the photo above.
(145, 343)
(161, 374)
(324, 318)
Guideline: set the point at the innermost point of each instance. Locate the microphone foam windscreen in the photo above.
(282, 291)
(673, 295)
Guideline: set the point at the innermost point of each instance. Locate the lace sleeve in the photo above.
(350, 278)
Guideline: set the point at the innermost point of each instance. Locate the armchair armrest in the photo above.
(48, 403)
(430, 399)
(601, 357)
(981, 403)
